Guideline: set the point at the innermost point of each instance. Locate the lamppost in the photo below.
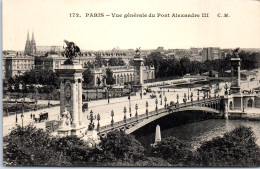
(147, 113)
(177, 98)
(129, 98)
(7, 107)
(107, 95)
(36, 107)
(165, 100)
(125, 114)
(191, 95)
(16, 119)
(136, 113)
(98, 125)
(188, 93)
(198, 95)
(112, 115)
(49, 102)
(91, 117)
(226, 87)
(156, 108)
(184, 98)
(22, 114)
(161, 98)
(96, 93)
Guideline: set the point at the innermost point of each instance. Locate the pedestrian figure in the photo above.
(31, 115)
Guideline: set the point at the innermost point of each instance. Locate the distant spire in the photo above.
(28, 37)
(32, 36)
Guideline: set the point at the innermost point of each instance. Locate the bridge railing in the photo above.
(141, 117)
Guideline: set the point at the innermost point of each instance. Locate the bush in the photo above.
(236, 148)
(120, 146)
(174, 151)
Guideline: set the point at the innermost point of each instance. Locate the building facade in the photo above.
(121, 74)
(211, 53)
(16, 64)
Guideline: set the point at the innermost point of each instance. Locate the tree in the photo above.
(236, 148)
(109, 77)
(99, 61)
(174, 151)
(116, 61)
(87, 76)
(120, 146)
(30, 146)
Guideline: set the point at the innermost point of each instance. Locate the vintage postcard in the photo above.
(140, 83)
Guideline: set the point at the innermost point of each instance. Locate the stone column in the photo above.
(80, 101)
(242, 103)
(62, 97)
(238, 76)
(141, 75)
(74, 104)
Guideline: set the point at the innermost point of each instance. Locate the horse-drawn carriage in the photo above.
(41, 117)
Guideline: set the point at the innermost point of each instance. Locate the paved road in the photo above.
(104, 109)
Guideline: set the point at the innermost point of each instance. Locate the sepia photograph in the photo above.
(133, 83)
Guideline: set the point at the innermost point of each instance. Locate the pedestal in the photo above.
(71, 99)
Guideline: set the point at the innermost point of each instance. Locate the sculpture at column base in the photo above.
(65, 122)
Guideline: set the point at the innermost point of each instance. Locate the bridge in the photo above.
(208, 105)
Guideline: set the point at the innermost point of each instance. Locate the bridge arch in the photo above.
(142, 123)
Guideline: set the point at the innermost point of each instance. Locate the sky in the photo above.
(51, 23)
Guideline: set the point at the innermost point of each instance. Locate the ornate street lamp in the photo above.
(16, 119)
(226, 87)
(198, 95)
(188, 93)
(165, 100)
(136, 113)
(91, 117)
(191, 99)
(125, 114)
(112, 115)
(204, 95)
(161, 98)
(156, 108)
(147, 113)
(177, 98)
(49, 102)
(98, 125)
(129, 98)
(184, 98)
(108, 95)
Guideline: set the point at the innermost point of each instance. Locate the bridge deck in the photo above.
(133, 123)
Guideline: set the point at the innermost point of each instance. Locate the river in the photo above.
(197, 132)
